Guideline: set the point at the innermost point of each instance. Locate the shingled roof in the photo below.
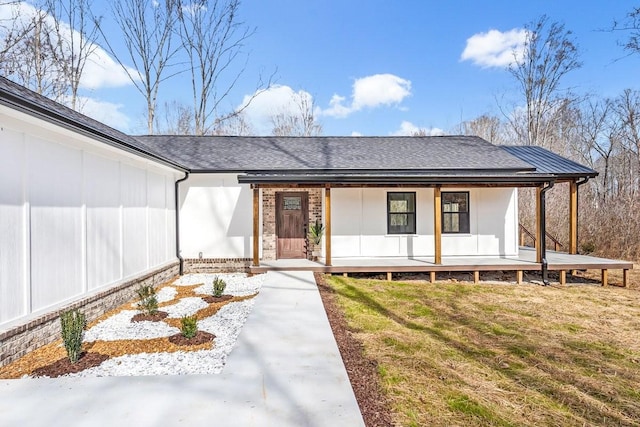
(335, 153)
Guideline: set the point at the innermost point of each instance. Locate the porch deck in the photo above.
(526, 261)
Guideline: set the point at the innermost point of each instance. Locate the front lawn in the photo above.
(464, 354)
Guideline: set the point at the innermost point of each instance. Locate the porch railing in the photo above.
(524, 232)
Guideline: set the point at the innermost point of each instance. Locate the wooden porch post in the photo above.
(539, 235)
(437, 224)
(573, 217)
(256, 226)
(327, 225)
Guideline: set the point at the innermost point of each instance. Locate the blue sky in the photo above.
(382, 68)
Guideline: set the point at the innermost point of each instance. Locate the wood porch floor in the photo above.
(557, 261)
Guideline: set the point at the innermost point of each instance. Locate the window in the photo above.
(455, 212)
(401, 213)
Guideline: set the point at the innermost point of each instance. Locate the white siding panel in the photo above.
(215, 217)
(170, 218)
(346, 221)
(102, 198)
(156, 196)
(134, 198)
(13, 282)
(55, 186)
(359, 224)
(496, 231)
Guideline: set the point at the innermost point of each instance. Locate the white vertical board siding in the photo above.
(55, 189)
(156, 196)
(215, 217)
(134, 216)
(359, 224)
(76, 217)
(102, 198)
(13, 301)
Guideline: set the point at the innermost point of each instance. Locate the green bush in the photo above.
(148, 300)
(72, 323)
(219, 286)
(189, 326)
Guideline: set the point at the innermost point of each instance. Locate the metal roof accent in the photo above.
(546, 161)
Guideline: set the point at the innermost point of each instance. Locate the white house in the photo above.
(87, 212)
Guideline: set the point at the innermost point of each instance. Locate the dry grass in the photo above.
(496, 354)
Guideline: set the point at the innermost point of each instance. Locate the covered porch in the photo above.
(560, 262)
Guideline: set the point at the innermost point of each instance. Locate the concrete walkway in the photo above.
(285, 370)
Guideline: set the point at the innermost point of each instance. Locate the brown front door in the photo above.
(291, 224)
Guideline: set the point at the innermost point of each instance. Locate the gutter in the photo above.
(177, 206)
(543, 232)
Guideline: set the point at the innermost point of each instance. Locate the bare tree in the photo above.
(148, 27)
(301, 122)
(178, 119)
(27, 58)
(14, 29)
(73, 40)
(213, 37)
(486, 127)
(549, 54)
(630, 25)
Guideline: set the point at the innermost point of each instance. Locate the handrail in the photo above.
(523, 230)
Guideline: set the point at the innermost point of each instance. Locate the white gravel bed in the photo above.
(238, 284)
(120, 327)
(226, 325)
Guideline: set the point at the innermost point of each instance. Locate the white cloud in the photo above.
(278, 99)
(100, 69)
(408, 129)
(106, 112)
(355, 133)
(370, 92)
(495, 48)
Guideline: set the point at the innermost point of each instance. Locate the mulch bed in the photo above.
(211, 299)
(155, 317)
(362, 372)
(201, 337)
(64, 366)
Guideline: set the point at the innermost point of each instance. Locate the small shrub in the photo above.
(148, 302)
(588, 248)
(72, 323)
(219, 286)
(189, 326)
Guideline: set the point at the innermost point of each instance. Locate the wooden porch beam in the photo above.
(573, 217)
(256, 226)
(539, 236)
(605, 277)
(327, 225)
(437, 224)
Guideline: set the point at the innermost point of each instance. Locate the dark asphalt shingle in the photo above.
(239, 153)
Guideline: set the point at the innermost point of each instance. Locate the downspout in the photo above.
(578, 184)
(177, 200)
(543, 232)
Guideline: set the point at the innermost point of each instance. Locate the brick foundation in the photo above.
(216, 265)
(24, 338)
